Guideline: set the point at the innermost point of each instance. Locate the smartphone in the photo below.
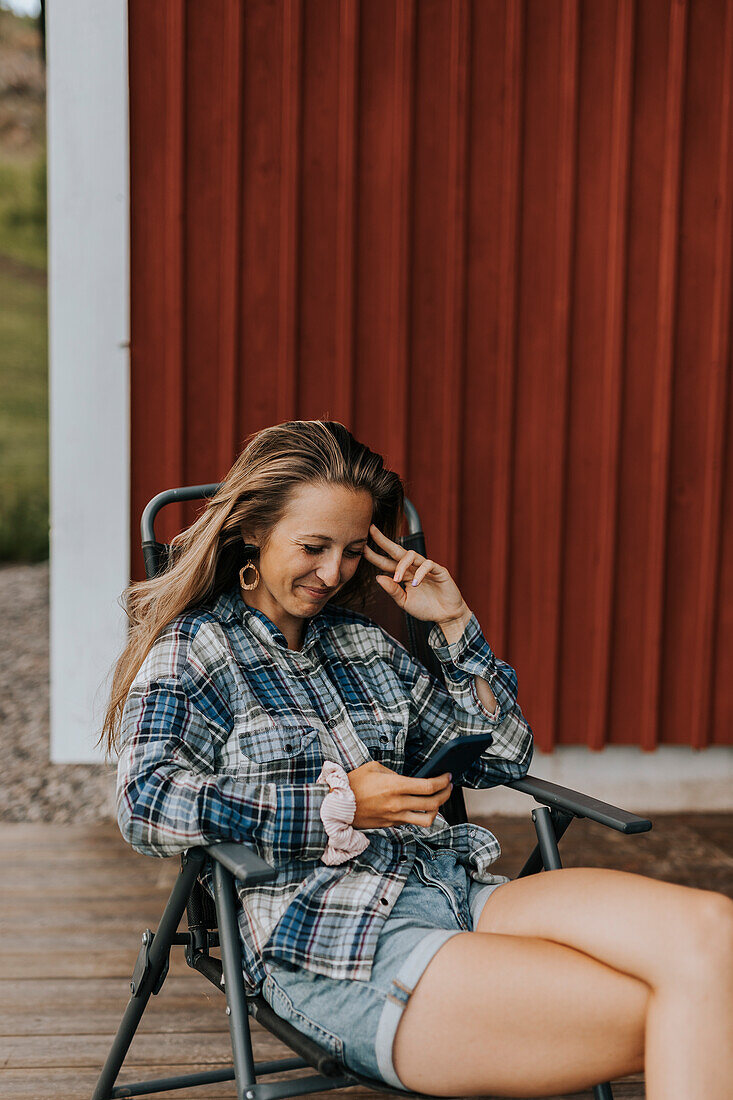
(455, 757)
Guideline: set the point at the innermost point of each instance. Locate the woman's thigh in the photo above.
(655, 931)
(517, 1016)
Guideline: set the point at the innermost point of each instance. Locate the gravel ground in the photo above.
(33, 789)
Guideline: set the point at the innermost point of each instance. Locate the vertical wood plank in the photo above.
(700, 680)
(547, 231)
(345, 213)
(173, 232)
(455, 306)
(564, 249)
(286, 382)
(663, 368)
(511, 183)
(260, 214)
(612, 375)
(231, 236)
(396, 410)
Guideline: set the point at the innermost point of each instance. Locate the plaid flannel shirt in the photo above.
(225, 730)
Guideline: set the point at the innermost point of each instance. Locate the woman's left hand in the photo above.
(430, 594)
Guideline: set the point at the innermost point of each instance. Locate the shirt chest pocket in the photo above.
(280, 752)
(384, 741)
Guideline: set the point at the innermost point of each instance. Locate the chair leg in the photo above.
(231, 957)
(152, 976)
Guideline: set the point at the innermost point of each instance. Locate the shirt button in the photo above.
(383, 737)
(403, 859)
(384, 901)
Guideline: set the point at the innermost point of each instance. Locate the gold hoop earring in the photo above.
(243, 570)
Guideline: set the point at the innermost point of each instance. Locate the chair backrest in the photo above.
(155, 555)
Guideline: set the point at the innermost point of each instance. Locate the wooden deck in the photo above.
(75, 899)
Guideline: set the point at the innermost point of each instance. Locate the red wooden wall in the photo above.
(494, 239)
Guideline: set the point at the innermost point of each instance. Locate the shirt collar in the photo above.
(229, 606)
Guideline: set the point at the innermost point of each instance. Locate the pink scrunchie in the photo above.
(337, 812)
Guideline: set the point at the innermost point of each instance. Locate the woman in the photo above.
(255, 702)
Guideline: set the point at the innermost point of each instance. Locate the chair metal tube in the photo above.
(231, 957)
(170, 496)
(164, 1084)
(560, 823)
(159, 950)
(547, 840)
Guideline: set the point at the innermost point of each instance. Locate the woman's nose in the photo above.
(329, 573)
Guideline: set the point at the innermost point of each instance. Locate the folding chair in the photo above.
(213, 924)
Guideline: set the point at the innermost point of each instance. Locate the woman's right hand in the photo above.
(384, 797)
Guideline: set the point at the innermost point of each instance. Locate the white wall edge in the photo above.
(88, 239)
(670, 779)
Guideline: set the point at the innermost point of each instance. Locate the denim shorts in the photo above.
(357, 1020)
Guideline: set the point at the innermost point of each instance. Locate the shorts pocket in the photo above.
(283, 1005)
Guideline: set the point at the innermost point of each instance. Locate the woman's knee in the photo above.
(705, 950)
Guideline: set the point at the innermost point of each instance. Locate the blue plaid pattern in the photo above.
(225, 730)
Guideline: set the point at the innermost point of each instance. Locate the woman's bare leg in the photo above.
(677, 939)
(516, 1016)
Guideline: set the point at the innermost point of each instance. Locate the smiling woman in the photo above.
(255, 703)
(296, 573)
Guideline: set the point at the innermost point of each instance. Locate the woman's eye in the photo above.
(318, 549)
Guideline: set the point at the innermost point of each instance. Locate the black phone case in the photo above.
(456, 757)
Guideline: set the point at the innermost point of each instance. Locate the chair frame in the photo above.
(218, 929)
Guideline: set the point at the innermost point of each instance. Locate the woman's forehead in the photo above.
(328, 511)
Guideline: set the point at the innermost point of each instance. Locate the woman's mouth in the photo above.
(316, 593)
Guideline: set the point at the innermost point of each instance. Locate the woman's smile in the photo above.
(316, 593)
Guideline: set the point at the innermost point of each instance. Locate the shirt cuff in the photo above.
(470, 656)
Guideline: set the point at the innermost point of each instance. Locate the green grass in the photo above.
(23, 212)
(23, 318)
(23, 419)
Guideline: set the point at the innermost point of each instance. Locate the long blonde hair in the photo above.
(205, 559)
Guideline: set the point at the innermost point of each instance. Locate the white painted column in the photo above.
(88, 237)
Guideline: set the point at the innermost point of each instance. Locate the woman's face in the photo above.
(312, 552)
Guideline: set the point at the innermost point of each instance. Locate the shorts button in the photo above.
(384, 901)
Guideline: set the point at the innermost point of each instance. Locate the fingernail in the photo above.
(414, 583)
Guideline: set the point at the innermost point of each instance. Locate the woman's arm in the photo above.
(479, 691)
(171, 794)
(452, 630)
(472, 678)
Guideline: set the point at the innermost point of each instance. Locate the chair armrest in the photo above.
(580, 805)
(242, 861)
